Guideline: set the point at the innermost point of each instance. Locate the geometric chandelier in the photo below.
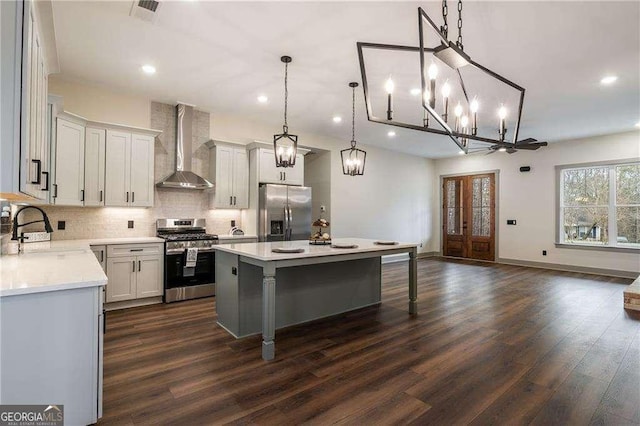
(459, 98)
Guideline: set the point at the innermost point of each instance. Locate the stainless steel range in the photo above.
(190, 259)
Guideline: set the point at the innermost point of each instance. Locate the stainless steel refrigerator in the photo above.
(284, 213)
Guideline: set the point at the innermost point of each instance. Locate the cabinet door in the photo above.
(69, 179)
(117, 168)
(268, 172)
(141, 171)
(101, 254)
(240, 179)
(121, 272)
(94, 162)
(149, 276)
(224, 175)
(295, 175)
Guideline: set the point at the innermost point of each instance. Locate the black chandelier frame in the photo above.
(451, 54)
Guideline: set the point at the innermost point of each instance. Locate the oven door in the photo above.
(197, 283)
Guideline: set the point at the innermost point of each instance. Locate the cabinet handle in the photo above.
(38, 172)
(46, 185)
(234, 200)
(133, 197)
(136, 249)
(101, 256)
(285, 175)
(100, 195)
(127, 197)
(82, 195)
(139, 265)
(133, 263)
(55, 190)
(230, 200)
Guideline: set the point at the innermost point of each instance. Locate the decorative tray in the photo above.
(287, 250)
(385, 243)
(344, 246)
(319, 242)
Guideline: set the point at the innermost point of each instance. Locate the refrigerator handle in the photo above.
(289, 231)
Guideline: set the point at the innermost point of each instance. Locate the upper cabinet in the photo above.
(129, 169)
(229, 168)
(99, 164)
(269, 173)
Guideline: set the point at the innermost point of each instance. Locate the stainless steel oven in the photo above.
(187, 278)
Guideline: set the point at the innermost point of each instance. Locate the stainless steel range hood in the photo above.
(183, 177)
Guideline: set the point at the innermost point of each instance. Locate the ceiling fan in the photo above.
(530, 144)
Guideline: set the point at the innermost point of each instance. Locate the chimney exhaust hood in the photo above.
(184, 178)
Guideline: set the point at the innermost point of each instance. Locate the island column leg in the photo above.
(413, 281)
(268, 312)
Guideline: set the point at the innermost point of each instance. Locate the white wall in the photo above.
(317, 175)
(393, 200)
(530, 198)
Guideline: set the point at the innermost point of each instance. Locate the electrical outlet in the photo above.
(544, 252)
(130, 224)
(233, 223)
(61, 225)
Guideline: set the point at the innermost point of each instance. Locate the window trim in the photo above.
(612, 201)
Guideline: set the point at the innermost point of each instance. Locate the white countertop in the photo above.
(64, 245)
(49, 271)
(235, 237)
(262, 251)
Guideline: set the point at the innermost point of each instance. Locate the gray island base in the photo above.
(261, 291)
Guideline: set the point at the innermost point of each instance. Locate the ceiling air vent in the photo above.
(147, 10)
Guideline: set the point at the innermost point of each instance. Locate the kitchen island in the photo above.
(318, 282)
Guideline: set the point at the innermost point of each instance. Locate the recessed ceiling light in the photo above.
(263, 99)
(391, 133)
(415, 91)
(609, 79)
(337, 119)
(149, 69)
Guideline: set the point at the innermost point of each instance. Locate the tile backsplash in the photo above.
(108, 222)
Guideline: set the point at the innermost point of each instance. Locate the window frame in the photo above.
(612, 207)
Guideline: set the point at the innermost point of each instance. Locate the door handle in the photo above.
(46, 185)
(139, 265)
(38, 171)
(133, 263)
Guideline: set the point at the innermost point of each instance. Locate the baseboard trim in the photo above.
(570, 268)
(125, 304)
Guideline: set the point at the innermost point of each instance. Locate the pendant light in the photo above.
(353, 159)
(285, 145)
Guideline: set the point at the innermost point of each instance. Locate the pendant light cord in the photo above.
(353, 117)
(286, 95)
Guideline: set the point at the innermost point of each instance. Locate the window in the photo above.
(600, 205)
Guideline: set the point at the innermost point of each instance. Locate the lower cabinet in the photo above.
(101, 255)
(135, 271)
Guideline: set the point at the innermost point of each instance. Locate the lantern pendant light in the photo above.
(285, 145)
(353, 159)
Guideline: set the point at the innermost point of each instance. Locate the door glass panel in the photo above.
(454, 207)
(481, 207)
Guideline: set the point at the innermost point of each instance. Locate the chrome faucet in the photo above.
(21, 238)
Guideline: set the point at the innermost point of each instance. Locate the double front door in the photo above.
(469, 216)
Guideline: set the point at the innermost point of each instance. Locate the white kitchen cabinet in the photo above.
(129, 169)
(269, 173)
(94, 164)
(34, 142)
(68, 184)
(229, 168)
(134, 271)
(51, 352)
(101, 254)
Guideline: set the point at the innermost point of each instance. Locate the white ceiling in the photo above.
(221, 55)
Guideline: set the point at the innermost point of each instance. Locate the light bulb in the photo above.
(280, 150)
(289, 151)
(458, 110)
(427, 96)
(502, 112)
(389, 86)
(446, 89)
(433, 71)
(464, 121)
(356, 162)
(474, 105)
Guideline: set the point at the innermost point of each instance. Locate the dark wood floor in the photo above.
(492, 344)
